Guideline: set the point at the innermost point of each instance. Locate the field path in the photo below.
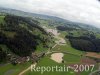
(29, 68)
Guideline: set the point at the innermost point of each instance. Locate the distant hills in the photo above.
(52, 19)
(27, 14)
(41, 16)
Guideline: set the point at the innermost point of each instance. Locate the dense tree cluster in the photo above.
(65, 28)
(85, 43)
(2, 55)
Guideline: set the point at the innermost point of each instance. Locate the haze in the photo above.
(85, 11)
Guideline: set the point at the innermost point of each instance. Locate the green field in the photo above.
(69, 49)
(69, 58)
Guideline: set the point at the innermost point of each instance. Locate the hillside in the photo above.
(21, 36)
(81, 38)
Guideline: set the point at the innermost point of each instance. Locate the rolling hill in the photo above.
(21, 36)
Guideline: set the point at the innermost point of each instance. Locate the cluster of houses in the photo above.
(19, 60)
(33, 58)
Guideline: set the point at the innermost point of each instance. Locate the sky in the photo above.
(85, 11)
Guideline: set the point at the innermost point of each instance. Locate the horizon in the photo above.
(77, 9)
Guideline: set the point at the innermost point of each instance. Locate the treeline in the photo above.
(84, 43)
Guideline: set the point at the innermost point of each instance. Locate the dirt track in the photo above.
(29, 68)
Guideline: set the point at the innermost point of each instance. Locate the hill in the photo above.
(21, 36)
(81, 38)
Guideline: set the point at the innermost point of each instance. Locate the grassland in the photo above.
(69, 58)
(69, 49)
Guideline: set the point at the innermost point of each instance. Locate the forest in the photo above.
(21, 35)
(82, 39)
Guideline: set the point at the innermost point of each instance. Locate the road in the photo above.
(29, 68)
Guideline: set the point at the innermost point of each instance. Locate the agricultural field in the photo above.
(69, 59)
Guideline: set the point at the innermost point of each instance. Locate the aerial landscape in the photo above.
(43, 39)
